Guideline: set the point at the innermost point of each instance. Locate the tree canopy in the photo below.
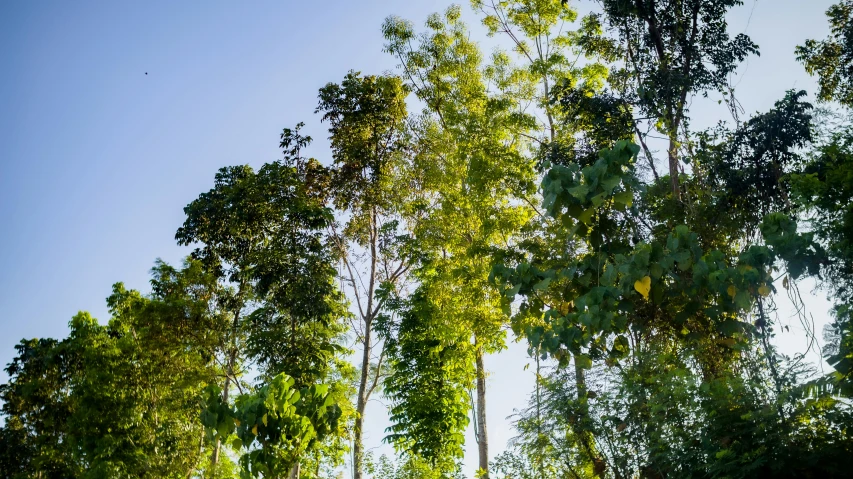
(465, 201)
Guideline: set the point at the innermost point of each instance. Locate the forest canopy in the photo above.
(554, 192)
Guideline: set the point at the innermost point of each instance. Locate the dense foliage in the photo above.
(471, 200)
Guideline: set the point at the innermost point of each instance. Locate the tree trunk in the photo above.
(672, 152)
(587, 440)
(580, 382)
(358, 446)
(482, 434)
(294, 471)
(232, 358)
(214, 459)
(540, 453)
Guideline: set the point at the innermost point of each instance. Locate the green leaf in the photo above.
(542, 285)
(586, 216)
(625, 198)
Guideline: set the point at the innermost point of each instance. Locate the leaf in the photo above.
(626, 198)
(586, 216)
(610, 183)
(542, 285)
(264, 419)
(564, 308)
(236, 443)
(764, 290)
(743, 300)
(785, 282)
(255, 429)
(656, 270)
(579, 191)
(643, 286)
(583, 361)
(731, 290)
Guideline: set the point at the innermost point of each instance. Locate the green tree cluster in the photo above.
(471, 200)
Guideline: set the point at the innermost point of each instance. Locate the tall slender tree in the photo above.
(476, 183)
(370, 148)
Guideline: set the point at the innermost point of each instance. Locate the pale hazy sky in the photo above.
(97, 159)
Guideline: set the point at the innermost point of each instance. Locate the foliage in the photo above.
(429, 385)
(284, 421)
(370, 151)
(830, 59)
(119, 399)
(411, 467)
(473, 176)
(512, 199)
(673, 50)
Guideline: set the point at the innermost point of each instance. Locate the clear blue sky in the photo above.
(98, 159)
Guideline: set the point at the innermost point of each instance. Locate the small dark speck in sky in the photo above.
(146, 73)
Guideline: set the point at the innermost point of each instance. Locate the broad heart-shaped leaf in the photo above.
(625, 198)
(579, 192)
(542, 285)
(236, 443)
(743, 300)
(610, 183)
(586, 216)
(643, 286)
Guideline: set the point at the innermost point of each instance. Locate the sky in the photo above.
(115, 115)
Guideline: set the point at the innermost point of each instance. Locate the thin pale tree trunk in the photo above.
(361, 405)
(294, 471)
(482, 433)
(232, 358)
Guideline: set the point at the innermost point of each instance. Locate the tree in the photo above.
(549, 51)
(370, 146)
(429, 380)
(36, 410)
(831, 59)
(475, 185)
(262, 236)
(822, 187)
(284, 421)
(116, 399)
(672, 50)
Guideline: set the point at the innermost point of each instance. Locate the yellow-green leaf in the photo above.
(764, 290)
(255, 429)
(264, 419)
(732, 290)
(643, 286)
